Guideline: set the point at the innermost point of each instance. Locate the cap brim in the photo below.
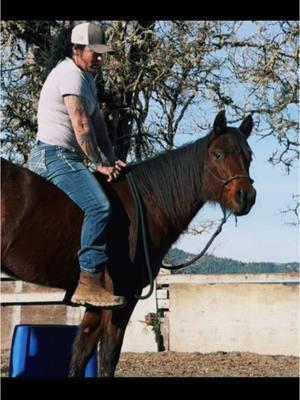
(100, 48)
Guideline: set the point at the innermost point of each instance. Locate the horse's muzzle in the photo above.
(245, 200)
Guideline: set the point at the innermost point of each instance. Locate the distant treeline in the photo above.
(215, 265)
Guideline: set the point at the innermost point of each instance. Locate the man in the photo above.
(71, 127)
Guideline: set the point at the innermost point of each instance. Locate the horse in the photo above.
(41, 226)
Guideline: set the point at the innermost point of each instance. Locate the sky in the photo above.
(263, 234)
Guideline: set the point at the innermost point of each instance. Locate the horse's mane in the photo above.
(172, 177)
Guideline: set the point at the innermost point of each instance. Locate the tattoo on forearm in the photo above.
(83, 127)
(89, 146)
(102, 136)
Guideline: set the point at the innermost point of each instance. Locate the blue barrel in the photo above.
(45, 351)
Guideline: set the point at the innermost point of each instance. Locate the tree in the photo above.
(25, 46)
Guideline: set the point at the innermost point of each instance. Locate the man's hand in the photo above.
(119, 164)
(111, 172)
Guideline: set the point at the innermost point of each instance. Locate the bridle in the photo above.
(228, 180)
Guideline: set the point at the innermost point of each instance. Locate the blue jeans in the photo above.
(65, 169)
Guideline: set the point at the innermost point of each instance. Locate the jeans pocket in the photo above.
(72, 161)
(37, 162)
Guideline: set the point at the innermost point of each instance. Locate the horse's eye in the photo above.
(219, 155)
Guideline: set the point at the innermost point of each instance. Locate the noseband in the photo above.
(228, 180)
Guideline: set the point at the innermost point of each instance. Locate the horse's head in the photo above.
(227, 171)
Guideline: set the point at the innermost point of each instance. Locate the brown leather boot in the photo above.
(90, 292)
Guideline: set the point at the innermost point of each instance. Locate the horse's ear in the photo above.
(220, 123)
(247, 126)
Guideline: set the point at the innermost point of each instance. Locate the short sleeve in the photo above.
(76, 84)
(72, 84)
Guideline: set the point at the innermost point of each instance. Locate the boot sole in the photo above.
(107, 306)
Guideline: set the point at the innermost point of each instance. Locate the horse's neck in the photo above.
(173, 193)
(172, 229)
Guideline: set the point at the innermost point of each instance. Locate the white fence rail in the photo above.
(18, 298)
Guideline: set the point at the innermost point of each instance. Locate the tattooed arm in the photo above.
(102, 136)
(85, 135)
(104, 142)
(83, 127)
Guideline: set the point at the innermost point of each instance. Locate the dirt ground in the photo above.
(219, 364)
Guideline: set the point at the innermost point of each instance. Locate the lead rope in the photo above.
(140, 221)
(194, 259)
(140, 218)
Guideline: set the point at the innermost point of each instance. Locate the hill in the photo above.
(214, 265)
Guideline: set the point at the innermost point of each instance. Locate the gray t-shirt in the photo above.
(54, 123)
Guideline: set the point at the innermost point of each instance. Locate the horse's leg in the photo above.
(86, 341)
(112, 338)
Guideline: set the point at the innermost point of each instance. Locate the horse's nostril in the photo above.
(241, 195)
(253, 196)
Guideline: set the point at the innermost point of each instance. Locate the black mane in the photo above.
(171, 178)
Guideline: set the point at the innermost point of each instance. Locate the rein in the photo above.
(141, 222)
(194, 259)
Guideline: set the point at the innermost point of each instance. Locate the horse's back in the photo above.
(40, 228)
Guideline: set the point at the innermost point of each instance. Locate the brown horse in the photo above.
(41, 226)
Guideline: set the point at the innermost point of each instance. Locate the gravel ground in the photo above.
(219, 364)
